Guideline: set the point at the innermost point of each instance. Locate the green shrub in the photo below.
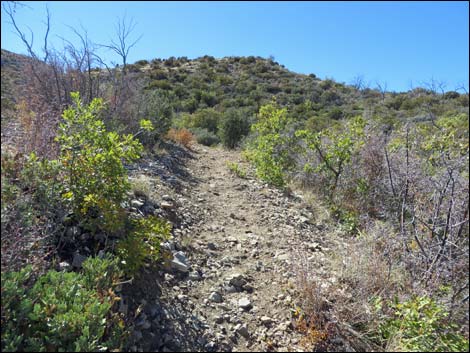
(155, 107)
(190, 105)
(235, 125)
(269, 149)
(160, 84)
(143, 242)
(141, 62)
(209, 98)
(95, 180)
(348, 220)
(62, 311)
(334, 149)
(420, 325)
(42, 178)
(206, 119)
(335, 113)
(205, 137)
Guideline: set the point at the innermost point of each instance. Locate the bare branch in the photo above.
(382, 87)
(48, 27)
(122, 46)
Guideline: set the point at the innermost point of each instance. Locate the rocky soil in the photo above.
(237, 245)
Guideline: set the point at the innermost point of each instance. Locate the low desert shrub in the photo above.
(234, 126)
(420, 325)
(62, 311)
(205, 137)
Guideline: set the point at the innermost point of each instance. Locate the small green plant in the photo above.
(236, 169)
(42, 178)
(141, 186)
(420, 325)
(62, 311)
(143, 242)
(348, 220)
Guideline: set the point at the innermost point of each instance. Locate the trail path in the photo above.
(243, 247)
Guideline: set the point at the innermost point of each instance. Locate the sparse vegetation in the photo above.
(390, 168)
(236, 169)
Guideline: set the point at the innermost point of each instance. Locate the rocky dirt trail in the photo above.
(237, 243)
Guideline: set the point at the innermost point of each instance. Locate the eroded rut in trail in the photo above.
(240, 247)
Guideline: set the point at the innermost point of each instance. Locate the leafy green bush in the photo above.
(420, 325)
(27, 179)
(205, 137)
(156, 107)
(334, 149)
(209, 98)
(95, 180)
(235, 125)
(162, 84)
(269, 149)
(61, 311)
(206, 119)
(143, 242)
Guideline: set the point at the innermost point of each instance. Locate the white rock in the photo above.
(167, 205)
(244, 303)
(178, 265)
(64, 266)
(194, 276)
(136, 203)
(266, 320)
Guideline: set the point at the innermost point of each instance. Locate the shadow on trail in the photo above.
(169, 164)
(174, 325)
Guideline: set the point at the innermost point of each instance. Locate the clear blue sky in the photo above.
(400, 43)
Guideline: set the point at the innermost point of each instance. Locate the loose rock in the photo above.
(215, 297)
(245, 304)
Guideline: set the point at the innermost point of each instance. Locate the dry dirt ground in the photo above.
(241, 244)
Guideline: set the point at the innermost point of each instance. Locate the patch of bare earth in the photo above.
(239, 243)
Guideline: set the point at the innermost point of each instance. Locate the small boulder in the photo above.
(78, 260)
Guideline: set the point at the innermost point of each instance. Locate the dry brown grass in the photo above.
(338, 290)
(182, 136)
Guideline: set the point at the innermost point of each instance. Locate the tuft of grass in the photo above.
(141, 186)
(236, 169)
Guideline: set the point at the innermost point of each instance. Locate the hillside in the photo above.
(229, 205)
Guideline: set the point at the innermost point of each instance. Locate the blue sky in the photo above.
(400, 43)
